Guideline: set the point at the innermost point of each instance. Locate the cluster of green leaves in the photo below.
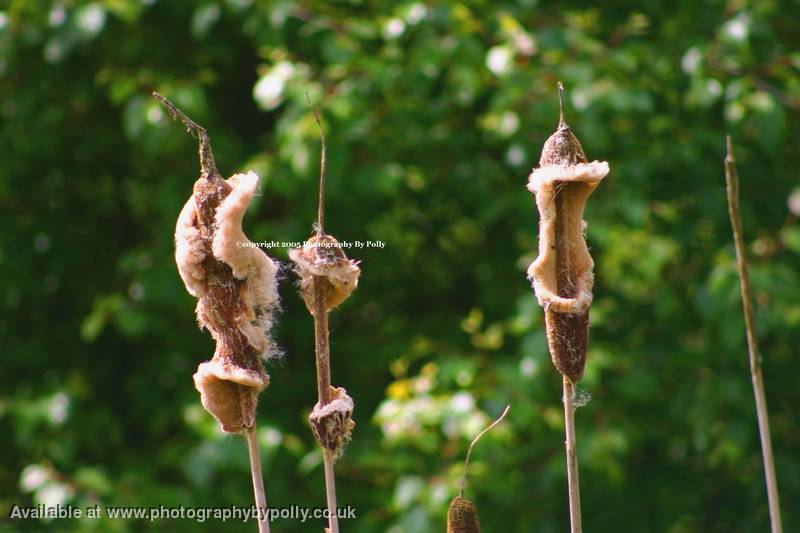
(434, 112)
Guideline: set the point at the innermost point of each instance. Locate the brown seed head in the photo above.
(230, 393)
(322, 261)
(235, 284)
(562, 274)
(462, 517)
(562, 147)
(333, 423)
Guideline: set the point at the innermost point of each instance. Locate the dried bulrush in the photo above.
(462, 516)
(562, 273)
(732, 186)
(236, 287)
(327, 277)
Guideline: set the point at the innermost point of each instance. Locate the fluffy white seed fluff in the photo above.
(583, 178)
(248, 262)
(190, 251)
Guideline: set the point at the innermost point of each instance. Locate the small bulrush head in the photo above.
(322, 265)
(332, 423)
(235, 283)
(562, 274)
(325, 271)
(462, 516)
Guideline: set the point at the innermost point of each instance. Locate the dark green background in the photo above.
(434, 116)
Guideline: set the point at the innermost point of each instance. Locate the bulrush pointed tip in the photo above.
(318, 226)
(562, 147)
(561, 122)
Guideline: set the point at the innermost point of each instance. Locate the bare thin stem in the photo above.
(321, 342)
(323, 163)
(572, 457)
(561, 121)
(258, 481)
(472, 445)
(330, 492)
(322, 348)
(732, 182)
(207, 164)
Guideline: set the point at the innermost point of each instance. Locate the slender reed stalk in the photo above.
(472, 444)
(323, 167)
(574, 489)
(327, 277)
(258, 480)
(321, 342)
(732, 186)
(323, 361)
(330, 491)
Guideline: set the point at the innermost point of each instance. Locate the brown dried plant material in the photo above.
(462, 517)
(236, 286)
(332, 423)
(562, 273)
(327, 277)
(321, 263)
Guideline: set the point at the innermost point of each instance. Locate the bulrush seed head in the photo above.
(236, 286)
(237, 307)
(332, 423)
(462, 517)
(322, 261)
(562, 274)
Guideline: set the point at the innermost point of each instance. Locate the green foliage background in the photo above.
(435, 113)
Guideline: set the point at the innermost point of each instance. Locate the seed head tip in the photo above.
(472, 445)
(319, 229)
